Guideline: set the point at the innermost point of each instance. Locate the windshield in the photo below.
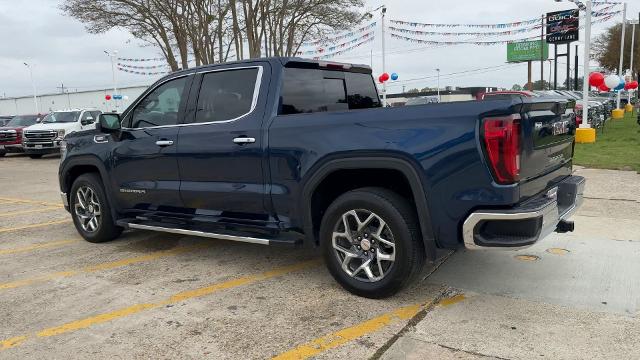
(61, 117)
(23, 120)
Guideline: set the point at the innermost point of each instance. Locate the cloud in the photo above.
(35, 31)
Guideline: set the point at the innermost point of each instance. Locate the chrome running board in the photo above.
(245, 239)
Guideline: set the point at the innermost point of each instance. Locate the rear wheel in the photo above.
(90, 210)
(371, 242)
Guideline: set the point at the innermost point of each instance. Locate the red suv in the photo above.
(11, 133)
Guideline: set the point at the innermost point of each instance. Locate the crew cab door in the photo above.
(145, 168)
(221, 154)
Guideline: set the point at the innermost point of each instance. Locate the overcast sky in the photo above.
(61, 51)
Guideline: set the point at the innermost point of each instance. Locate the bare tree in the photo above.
(207, 30)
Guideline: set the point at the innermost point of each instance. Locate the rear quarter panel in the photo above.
(439, 140)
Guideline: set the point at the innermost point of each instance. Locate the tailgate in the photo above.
(549, 130)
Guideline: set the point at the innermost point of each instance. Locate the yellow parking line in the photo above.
(137, 308)
(22, 212)
(346, 335)
(101, 267)
(27, 201)
(39, 246)
(32, 226)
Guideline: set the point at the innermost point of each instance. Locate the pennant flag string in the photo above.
(441, 33)
(143, 67)
(597, 14)
(143, 72)
(339, 37)
(460, 42)
(516, 24)
(342, 51)
(486, 43)
(322, 50)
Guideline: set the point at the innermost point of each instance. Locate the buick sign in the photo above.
(563, 26)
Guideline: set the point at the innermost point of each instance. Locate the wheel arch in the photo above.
(398, 164)
(77, 166)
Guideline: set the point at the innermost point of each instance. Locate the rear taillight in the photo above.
(502, 144)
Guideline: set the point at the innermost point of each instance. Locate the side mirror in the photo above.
(108, 123)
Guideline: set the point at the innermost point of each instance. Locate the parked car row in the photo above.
(600, 105)
(37, 135)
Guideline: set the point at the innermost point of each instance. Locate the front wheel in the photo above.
(371, 242)
(90, 210)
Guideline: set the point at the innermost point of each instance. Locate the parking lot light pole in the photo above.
(33, 85)
(113, 55)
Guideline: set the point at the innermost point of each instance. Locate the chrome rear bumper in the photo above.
(525, 224)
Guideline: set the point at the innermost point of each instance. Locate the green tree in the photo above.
(516, 87)
(413, 91)
(606, 49)
(539, 85)
(571, 83)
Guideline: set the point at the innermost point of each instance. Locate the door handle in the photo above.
(244, 140)
(164, 143)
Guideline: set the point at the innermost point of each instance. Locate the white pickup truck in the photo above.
(45, 137)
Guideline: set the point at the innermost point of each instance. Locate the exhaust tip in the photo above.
(565, 226)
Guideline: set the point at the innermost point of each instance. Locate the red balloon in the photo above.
(596, 79)
(627, 86)
(384, 77)
(380, 79)
(604, 88)
(107, 97)
(633, 85)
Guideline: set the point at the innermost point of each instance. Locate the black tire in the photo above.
(2, 153)
(106, 229)
(401, 219)
(35, 156)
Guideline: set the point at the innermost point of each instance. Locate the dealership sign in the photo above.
(527, 51)
(563, 26)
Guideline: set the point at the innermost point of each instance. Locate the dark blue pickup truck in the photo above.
(292, 151)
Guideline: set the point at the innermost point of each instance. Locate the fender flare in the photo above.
(88, 160)
(387, 162)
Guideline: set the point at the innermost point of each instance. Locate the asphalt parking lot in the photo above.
(150, 295)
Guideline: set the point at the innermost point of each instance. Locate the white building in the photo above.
(72, 100)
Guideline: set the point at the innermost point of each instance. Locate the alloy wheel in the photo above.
(364, 245)
(87, 209)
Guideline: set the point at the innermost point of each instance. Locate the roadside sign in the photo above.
(527, 51)
(563, 27)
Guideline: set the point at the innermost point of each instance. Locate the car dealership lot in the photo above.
(169, 296)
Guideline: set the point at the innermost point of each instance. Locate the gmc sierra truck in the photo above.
(298, 152)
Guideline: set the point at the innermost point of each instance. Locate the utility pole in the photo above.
(33, 85)
(624, 27)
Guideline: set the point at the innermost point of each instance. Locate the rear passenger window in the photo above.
(362, 91)
(313, 90)
(226, 95)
